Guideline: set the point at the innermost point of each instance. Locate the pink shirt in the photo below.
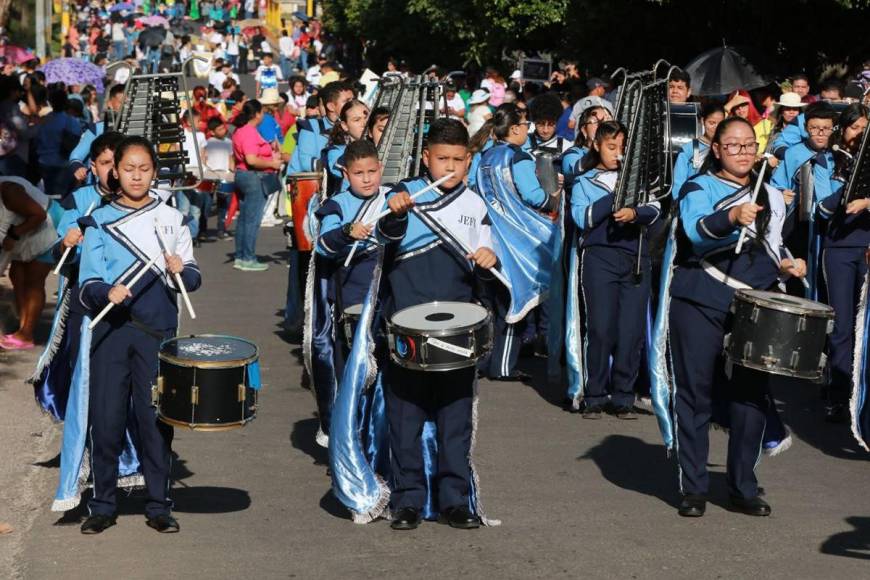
(246, 141)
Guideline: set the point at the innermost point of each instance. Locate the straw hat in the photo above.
(792, 100)
(478, 96)
(270, 97)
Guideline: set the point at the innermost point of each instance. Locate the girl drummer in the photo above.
(714, 206)
(615, 299)
(351, 126)
(119, 238)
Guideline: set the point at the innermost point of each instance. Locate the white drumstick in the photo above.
(387, 212)
(175, 275)
(129, 285)
(758, 185)
(789, 255)
(66, 251)
(498, 275)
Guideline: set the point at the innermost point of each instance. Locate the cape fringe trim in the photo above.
(782, 447)
(474, 476)
(56, 338)
(322, 438)
(857, 359)
(380, 507)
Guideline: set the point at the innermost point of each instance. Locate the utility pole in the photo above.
(40, 28)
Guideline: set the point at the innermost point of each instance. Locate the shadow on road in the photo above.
(210, 500)
(330, 504)
(852, 544)
(303, 438)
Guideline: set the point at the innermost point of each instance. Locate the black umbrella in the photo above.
(152, 36)
(721, 71)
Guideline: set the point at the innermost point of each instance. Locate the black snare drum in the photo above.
(779, 334)
(440, 336)
(204, 382)
(685, 124)
(350, 318)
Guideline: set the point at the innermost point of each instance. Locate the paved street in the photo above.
(592, 499)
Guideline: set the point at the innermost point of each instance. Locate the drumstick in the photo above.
(129, 285)
(66, 251)
(387, 212)
(175, 275)
(754, 197)
(789, 255)
(498, 275)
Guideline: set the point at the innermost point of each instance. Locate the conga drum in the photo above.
(301, 187)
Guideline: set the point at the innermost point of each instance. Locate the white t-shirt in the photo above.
(268, 76)
(313, 75)
(285, 46)
(190, 148)
(218, 152)
(216, 79)
(457, 104)
(477, 117)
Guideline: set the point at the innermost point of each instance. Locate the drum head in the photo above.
(208, 350)
(784, 302)
(434, 316)
(355, 310)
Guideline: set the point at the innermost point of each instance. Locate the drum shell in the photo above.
(215, 407)
(545, 168)
(776, 341)
(425, 357)
(685, 125)
(301, 187)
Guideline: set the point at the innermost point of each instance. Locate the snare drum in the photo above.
(439, 336)
(301, 187)
(350, 318)
(207, 382)
(779, 334)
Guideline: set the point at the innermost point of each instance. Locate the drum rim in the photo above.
(206, 426)
(227, 364)
(447, 332)
(303, 175)
(744, 296)
(437, 367)
(781, 371)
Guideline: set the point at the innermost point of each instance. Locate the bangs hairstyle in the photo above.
(606, 130)
(820, 110)
(132, 142)
(331, 92)
(362, 149)
(109, 140)
(444, 131)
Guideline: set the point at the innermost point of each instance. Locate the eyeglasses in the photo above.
(817, 131)
(740, 148)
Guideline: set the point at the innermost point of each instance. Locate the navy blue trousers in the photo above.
(507, 338)
(323, 375)
(696, 338)
(844, 271)
(446, 398)
(616, 304)
(124, 366)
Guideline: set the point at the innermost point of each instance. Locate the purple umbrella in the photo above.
(74, 71)
(154, 20)
(122, 6)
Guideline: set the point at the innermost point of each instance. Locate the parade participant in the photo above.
(615, 298)
(767, 131)
(343, 225)
(819, 121)
(267, 75)
(592, 112)
(693, 154)
(427, 268)
(351, 127)
(119, 237)
(56, 137)
(545, 111)
(54, 370)
(377, 124)
(679, 87)
(845, 241)
(714, 206)
(511, 131)
(313, 134)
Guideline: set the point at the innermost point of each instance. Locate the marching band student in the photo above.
(694, 153)
(313, 133)
(592, 111)
(845, 241)
(615, 299)
(342, 226)
(819, 124)
(511, 130)
(378, 119)
(120, 237)
(679, 87)
(351, 127)
(426, 268)
(714, 205)
(545, 111)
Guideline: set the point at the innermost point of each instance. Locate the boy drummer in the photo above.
(427, 267)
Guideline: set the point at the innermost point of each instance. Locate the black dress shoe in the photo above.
(592, 411)
(516, 376)
(754, 506)
(693, 506)
(164, 523)
(406, 519)
(625, 412)
(460, 517)
(97, 524)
